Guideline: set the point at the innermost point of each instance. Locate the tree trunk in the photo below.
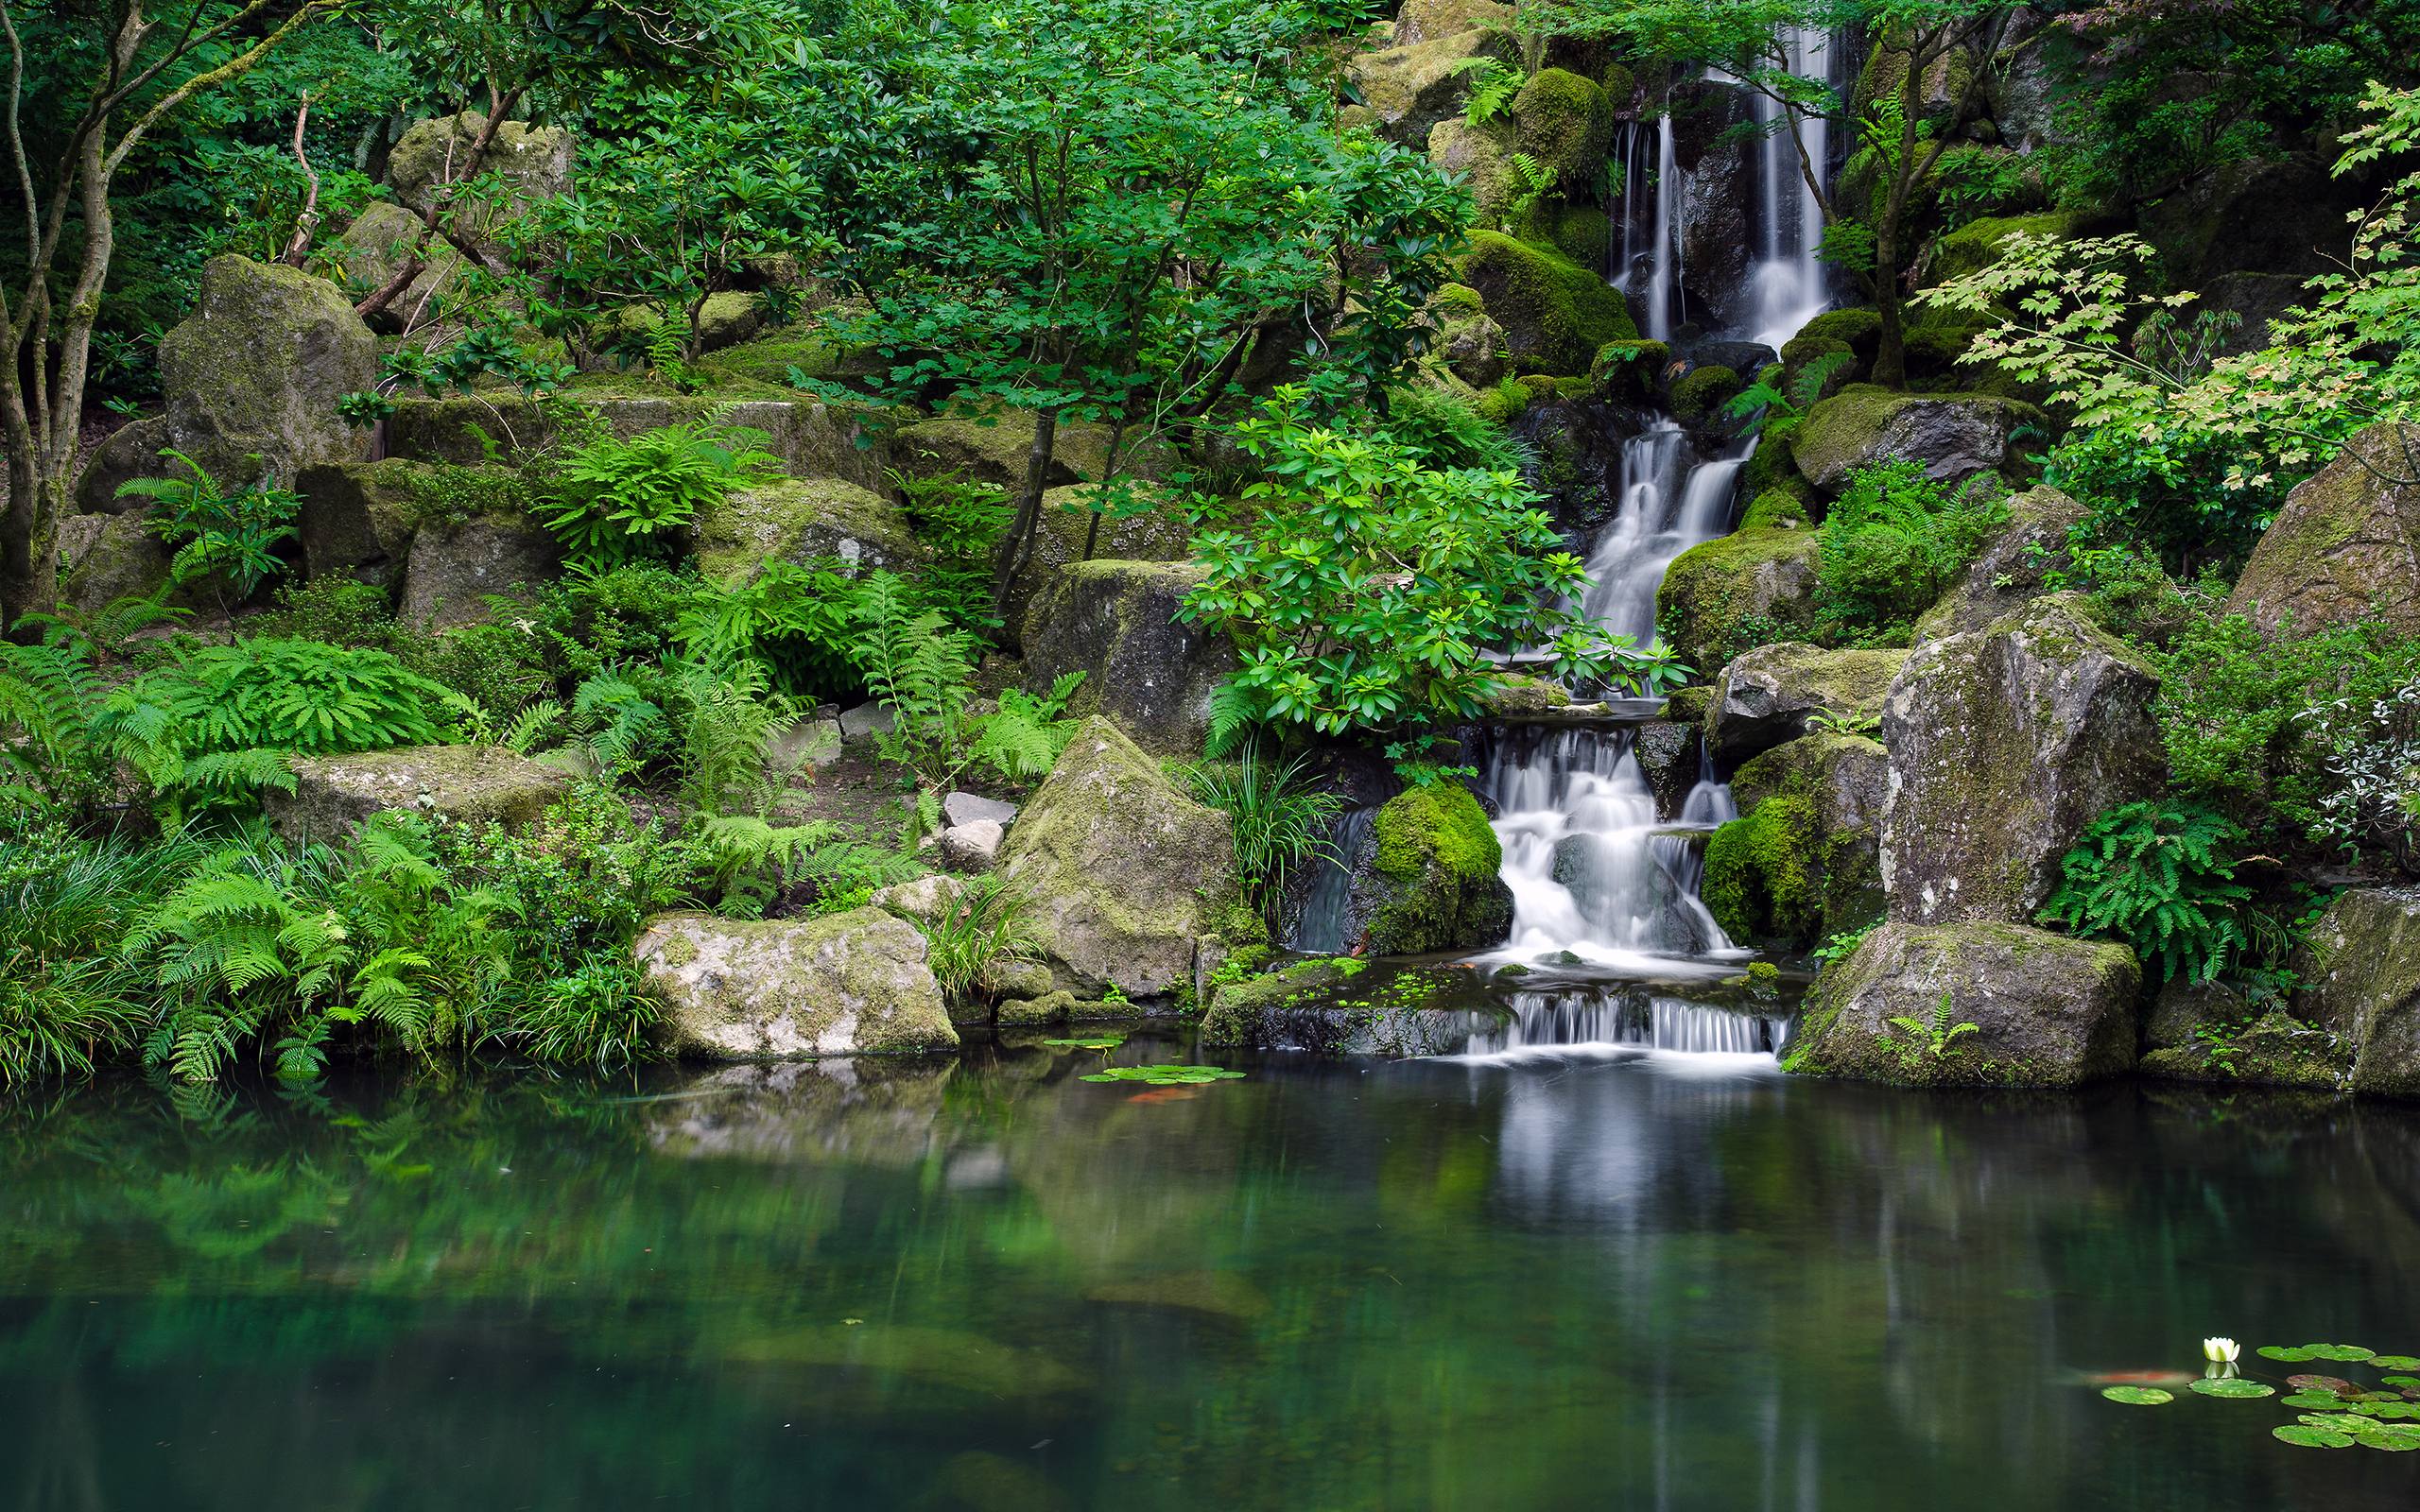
(1016, 548)
(1890, 359)
(29, 542)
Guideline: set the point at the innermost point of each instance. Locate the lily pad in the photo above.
(2314, 1398)
(2281, 1351)
(2308, 1438)
(2335, 1384)
(2234, 1388)
(2394, 1437)
(1165, 1075)
(2397, 1408)
(1098, 1042)
(2395, 1361)
(2348, 1354)
(2138, 1396)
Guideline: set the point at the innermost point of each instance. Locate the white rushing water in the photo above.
(1788, 278)
(1325, 925)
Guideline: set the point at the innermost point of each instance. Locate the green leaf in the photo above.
(2307, 1437)
(2314, 1398)
(2279, 1351)
(2395, 1361)
(2348, 1354)
(1103, 1041)
(2234, 1388)
(1165, 1075)
(2137, 1396)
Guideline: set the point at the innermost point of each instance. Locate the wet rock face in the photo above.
(2005, 743)
(1116, 623)
(467, 784)
(844, 984)
(1123, 872)
(1802, 860)
(2360, 972)
(1775, 693)
(2047, 1011)
(2210, 1032)
(2346, 546)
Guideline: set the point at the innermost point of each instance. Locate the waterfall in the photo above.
(1592, 872)
(1326, 919)
(1663, 277)
(1788, 278)
(1632, 1019)
(1653, 524)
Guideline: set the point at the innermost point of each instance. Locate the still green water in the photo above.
(1637, 1281)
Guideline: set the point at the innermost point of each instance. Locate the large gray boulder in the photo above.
(2048, 1010)
(1955, 437)
(1419, 21)
(1408, 90)
(851, 984)
(1123, 874)
(1066, 528)
(253, 378)
(535, 163)
(464, 783)
(455, 566)
(2346, 546)
(1771, 694)
(1115, 623)
(373, 251)
(2012, 569)
(2360, 967)
(358, 518)
(2005, 743)
(800, 520)
(1802, 860)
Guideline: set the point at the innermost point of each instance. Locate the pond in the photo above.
(1628, 1279)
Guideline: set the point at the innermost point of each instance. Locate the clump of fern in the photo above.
(234, 536)
(1531, 181)
(752, 863)
(1492, 84)
(1451, 432)
(2161, 877)
(63, 1007)
(1773, 411)
(613, 501)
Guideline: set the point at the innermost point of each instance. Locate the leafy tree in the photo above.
(1128, 200)
(1368, 592)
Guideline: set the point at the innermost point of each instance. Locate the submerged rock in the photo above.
(1116, 622)
(843, 984)
(2047, 1011)
(465, 783)
(2005, 743)
(1433, 883)
(1803, 862)
(2346, 546)
(1771, 694)
(2360, 967)
(1123, 873)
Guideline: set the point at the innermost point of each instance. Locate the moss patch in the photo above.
(1434, 874)
(1556, 315)
(1564, 121)
(1747, 589)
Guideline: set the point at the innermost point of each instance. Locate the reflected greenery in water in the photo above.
(987, 1284)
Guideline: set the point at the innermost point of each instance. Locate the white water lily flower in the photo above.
(2221, 1351)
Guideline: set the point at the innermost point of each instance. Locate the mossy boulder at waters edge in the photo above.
(847, 984)
(2360, 967)
(1123, 874)
(2047, 1011)
(1432, 884)
(1738, 591)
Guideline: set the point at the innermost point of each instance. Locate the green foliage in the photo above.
(59, 741)
(1936, 1036)
(1368, 589)
(234, 536)
(799, 620)
(599, 1014)
(266, 693)
(961, 522)
(2161, 878)
(923, 669)
(1529, 181)
(978, 932)
(1492, 84)
(753, 864)
(1281, 822)
(62, 1011)
(1892, 544)
(615, 502)
(1774, 413)
(1446, 431)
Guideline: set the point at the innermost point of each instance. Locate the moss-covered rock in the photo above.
(1803, 862)
(811, 439)
(116, 556)
(1858, 329)
(2345, 547)
(1116, 623)
(1481, 158)
(1160, 535)
(1566, 123)
(1123, 872)
(2005, 743)
(457, 565)
(1408, 90)
(849, 983)
(1775, 509)
(1419, 21)
(1556, 315)
(2209, 1032)
(2047, 1011)
(1744, 589)
(1238, 1010)
(2011, 570)
(1801, 352)
(1580, 231)
(1519, 696)
(1701, 394)
(1976, 245)
(371, 250)
(1629, 370)
(465, 783)
(535, 161)
(799, 519)
(1432, 884)
(2360, 968)
(358, 518)
(994, 449)
(1772, 694)
(1954, 436)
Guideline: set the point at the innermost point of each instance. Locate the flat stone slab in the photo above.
(973, 808)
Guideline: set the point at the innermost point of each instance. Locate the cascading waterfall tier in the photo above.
(1788, 279)
(1551, 1022)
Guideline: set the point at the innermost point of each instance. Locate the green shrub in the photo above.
(338, 610)
(1281, 822)
(1892, 544)
(800, 621)
(1447, 431)
(961, 522)
(599, 1014)
(2161, 878)
(613, 501)
(233, 534)
(268, 694)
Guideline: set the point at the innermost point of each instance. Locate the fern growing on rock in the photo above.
(2161, 878)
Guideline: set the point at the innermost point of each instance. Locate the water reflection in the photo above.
(1645, 1280)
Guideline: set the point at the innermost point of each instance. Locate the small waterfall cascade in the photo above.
(1594, 876)
(1626, 1019)
(1326, 916)
(1788, 279)
(1661, 515)
(1648, 267)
